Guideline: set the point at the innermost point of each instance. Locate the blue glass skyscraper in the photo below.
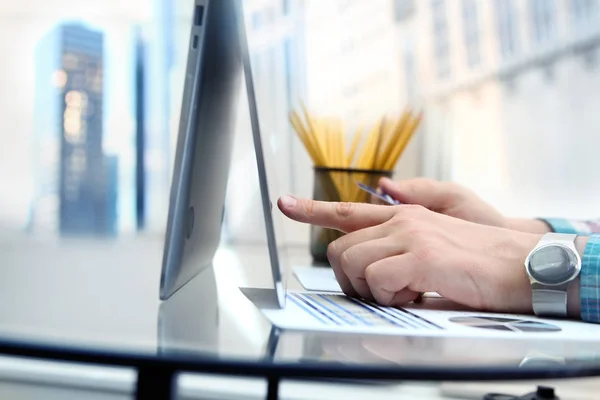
(75, 190)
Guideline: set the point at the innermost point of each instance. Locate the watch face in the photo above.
(552, 265)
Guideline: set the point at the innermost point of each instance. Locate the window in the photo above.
(286, 7)
(506, 26)
(440, 34)
(403, 9)
(257, 20)
(254, 60)
(410, 71)
(583, 11)
(289, 66)
(347, 45)
(543, 14)
(274, 54)
(351, 90)
(471, 32)
(271, 15)
(344, 5)
(265, 16)
(590, 58)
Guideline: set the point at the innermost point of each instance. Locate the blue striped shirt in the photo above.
(590, 263)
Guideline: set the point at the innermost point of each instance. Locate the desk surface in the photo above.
(98, 301)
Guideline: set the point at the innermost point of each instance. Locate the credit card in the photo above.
(382, 196)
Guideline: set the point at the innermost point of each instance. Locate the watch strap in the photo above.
(552, 301)
(558, 237)
(549, 302)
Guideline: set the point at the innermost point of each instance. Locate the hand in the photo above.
(392, 253)
(456, 201)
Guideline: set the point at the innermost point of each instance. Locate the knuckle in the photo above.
(378, 284)
(332, 251)
(414, 209)
(408, 211)
(309, 207)
(345, 259)
(383, 298)
(371, 277)
(406, 226)
(425, 252)
(344, 209)
(396, 220)
(416, 230)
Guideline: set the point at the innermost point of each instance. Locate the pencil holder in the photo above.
(338, 184)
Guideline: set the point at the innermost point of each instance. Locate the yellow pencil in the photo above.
(377, 147)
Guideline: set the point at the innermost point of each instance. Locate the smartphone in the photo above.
(382, 196)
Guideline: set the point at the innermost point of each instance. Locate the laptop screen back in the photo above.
(267, 175)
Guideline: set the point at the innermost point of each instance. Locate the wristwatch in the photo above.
(552, 265)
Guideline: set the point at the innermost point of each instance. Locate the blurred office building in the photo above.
(511, 89)
(139, 83)
(76, 183)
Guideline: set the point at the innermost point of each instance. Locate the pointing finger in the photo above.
(345, 217)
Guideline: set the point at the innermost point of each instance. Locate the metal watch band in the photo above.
(551, 303)
(558, 237)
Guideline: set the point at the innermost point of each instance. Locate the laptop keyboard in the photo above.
(337, 309)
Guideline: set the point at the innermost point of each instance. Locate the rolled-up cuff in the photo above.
(561, 225)
(589, 291)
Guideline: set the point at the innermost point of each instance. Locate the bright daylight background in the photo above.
(510, 91)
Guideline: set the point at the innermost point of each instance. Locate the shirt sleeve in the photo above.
(590, 263)
(583, 228)
(590, 280)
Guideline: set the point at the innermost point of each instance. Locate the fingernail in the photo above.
(288, 201)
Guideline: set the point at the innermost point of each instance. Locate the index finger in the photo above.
(345, 217)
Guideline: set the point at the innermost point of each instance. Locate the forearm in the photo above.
(558, 225)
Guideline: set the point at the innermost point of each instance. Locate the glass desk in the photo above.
(96, 302)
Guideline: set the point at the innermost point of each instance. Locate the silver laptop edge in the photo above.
(212, 86)
(274, 257)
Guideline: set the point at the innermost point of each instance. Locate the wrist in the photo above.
(528, 225)
(572, 290)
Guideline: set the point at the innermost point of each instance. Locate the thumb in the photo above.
(428, 193)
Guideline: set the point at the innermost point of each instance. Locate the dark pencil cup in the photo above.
(338, 185)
